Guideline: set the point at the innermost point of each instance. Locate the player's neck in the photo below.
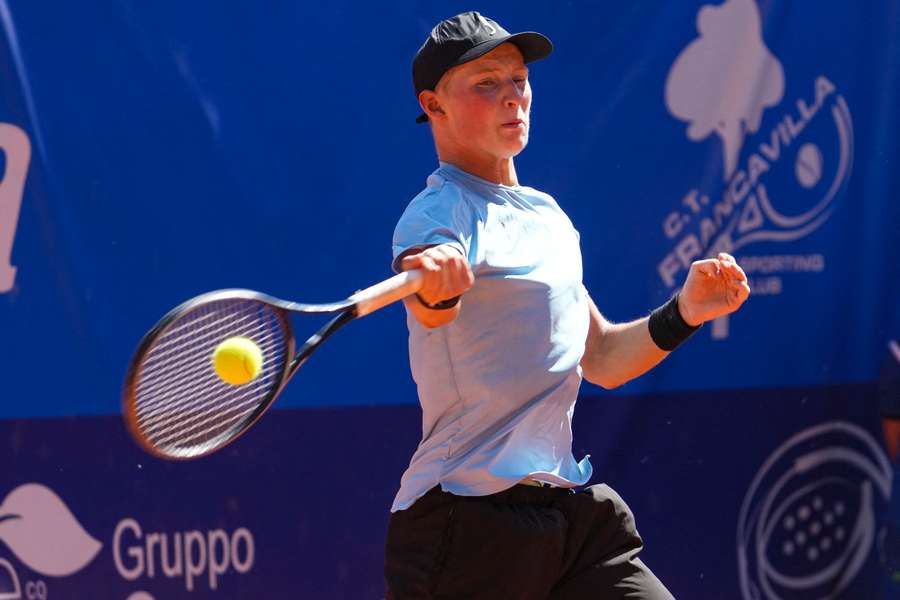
(502, 171)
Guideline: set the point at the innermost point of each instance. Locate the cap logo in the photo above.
(490, 27)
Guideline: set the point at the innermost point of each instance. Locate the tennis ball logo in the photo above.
(808, 165)
(808, 521)
(237, 360)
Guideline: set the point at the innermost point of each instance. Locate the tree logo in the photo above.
(784, 160)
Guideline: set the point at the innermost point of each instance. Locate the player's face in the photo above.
(487, 102)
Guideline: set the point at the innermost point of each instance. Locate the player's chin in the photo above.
(513, 146)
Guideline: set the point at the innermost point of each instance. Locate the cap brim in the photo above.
(533, 46)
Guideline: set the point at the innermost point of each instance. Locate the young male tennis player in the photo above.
(499, 338)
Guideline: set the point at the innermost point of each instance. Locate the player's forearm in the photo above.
(891, 429)
(620, 353)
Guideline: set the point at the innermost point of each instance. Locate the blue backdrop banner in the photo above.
(155, 151)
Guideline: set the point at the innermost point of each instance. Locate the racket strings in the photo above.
(181, 406)
(204, 328)
(168, 385)
(211, 405)
(187, 410)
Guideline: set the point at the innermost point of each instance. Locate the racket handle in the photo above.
(388, 291)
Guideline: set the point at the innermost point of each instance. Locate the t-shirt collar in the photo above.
(474, 178)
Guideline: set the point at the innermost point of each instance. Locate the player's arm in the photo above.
(617, 353)
(890, 426)
(889, 399)
(446, 275)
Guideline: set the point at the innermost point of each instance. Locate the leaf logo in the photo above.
(43, 533)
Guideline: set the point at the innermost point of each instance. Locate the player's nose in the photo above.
(513, 93)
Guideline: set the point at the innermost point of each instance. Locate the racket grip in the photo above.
(388, 291)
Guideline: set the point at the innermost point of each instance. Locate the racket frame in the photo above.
(359, 304)
(133, 373)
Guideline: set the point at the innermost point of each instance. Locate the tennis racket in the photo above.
(177, 407)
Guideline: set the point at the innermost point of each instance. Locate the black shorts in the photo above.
(525, 543)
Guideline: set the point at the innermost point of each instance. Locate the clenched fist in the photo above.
(445, 272)
(713, 288)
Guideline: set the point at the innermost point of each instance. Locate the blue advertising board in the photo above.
(155, 151)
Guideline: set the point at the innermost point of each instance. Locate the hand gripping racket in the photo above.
(175, 404)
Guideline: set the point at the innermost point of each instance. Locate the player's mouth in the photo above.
(515, 124)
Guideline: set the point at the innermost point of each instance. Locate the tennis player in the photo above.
(500, 336)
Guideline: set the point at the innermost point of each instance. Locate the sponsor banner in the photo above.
(298, 507)
(288, 513)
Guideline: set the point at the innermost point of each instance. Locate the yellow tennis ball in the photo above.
(237, 360)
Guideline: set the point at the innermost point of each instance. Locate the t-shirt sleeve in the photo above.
(437, 216)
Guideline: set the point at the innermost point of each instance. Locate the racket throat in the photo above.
(315, 340)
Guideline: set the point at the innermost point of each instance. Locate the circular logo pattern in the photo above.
(807, 523)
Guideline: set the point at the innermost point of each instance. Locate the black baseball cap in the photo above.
(465, 37)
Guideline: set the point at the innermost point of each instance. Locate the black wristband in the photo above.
(667, 327)
(442, 305)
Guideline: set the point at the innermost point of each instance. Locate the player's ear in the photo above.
(431, 104)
